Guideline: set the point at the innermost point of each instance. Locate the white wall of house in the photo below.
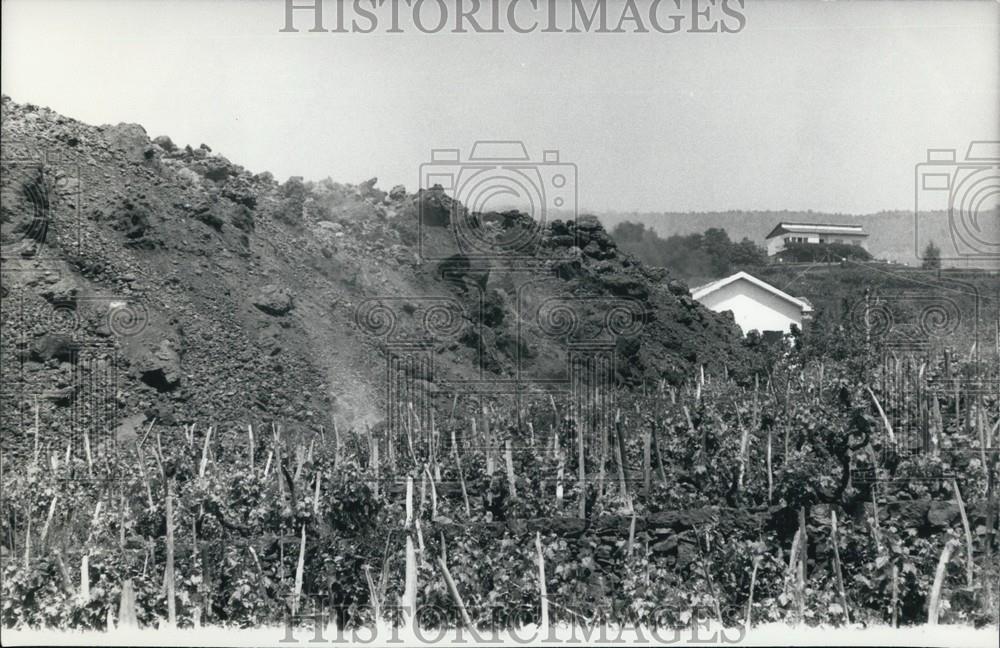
(753, 307)
(776, 244)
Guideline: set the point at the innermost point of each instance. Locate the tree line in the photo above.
(709, 254)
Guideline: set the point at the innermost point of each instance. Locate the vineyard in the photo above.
(821, 491)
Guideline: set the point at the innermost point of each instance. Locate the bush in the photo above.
(815, 252)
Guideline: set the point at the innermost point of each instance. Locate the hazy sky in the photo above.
(813, 105)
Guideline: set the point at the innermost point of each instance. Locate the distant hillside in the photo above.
(891, 233)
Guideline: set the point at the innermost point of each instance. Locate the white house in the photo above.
(785, 233)
(755, 304)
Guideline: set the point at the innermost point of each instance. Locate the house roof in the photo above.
(701, 291)
(815, 228)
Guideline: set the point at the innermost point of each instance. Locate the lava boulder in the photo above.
(274, 300)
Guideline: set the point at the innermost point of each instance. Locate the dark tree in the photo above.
(711, 254)
(932, 257)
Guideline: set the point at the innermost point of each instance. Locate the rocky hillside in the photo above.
(142, 279)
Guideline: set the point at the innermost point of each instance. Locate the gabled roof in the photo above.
(701, 291)
(815, 228)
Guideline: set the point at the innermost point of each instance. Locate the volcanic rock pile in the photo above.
(199, 292)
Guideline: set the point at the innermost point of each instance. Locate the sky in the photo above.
(811, 105)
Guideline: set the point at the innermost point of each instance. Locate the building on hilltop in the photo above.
(785, 233)
(755, 304)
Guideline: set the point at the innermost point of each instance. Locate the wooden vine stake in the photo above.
(420, 535)
(803, 559)
(787, 423)
(409, 433)
(434, 499)
(85, 562)
(561, 466)
(37, 429)
(466, 621)
(885, 419)
(544, 626)
(705, 571)
(647, 462)
(620, 445)
(204, 453)
(933, 609)
(753, 582)
(145, 480)
(895, 596)
(461, 476)
(408, 600)
(127, 616)
(602, 462)
(260, 572)
(67, 582)
(969, 565)
(937, 427)
(168, 578)
(409, 502)
(770, 469)
(836, 565)
(631, 534)
(336, 444)
(85, 579)
(300, 460)
(90, 456)
(488, 442)
(374, 459)
(581, 462)
(509, 459)
(981, 428)
(373, 595)
(48, 521)
(250, 445)
(279, 477)
(659, 454)
(298, 571)
(423, 491)
(408, 603)
(267, 464)
(744, 447)
(27, 544)
(122, 510)
(791, 575)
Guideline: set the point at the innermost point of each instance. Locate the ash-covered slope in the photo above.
(143, 279)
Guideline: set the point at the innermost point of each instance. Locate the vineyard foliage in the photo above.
(720, 482)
